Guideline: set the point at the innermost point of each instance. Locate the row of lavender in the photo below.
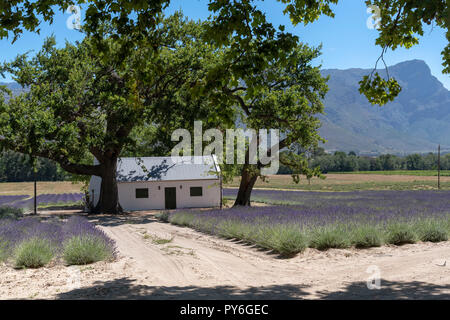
(32, 242)
(328, 220)
(43, 199)
(386, 201)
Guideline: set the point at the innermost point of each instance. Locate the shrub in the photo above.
(33, 253)
(164, 216)
(234, 230)
(330, 237)
(86, 249)
(367, 237)
(10, 213)
(432, 231)
(182, 219)
(289, 240)
(264, 237)
(400, 233)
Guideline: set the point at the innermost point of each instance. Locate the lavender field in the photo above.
(32, 242)
(42, 200)
(413, 199)
(328, 219)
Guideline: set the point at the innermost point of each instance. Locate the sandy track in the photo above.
(197, 266)
(414, 270)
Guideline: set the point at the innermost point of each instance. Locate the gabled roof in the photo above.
(167, 168)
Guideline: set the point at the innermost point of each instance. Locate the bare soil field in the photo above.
(352, 178)
(27, 188)
(162, 261)
(333, 182)
(352, 182)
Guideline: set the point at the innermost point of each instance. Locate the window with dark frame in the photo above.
(196, 191)
(142, 193)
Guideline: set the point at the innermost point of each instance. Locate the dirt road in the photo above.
(162, 261)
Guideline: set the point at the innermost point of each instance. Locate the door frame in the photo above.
(166, 200)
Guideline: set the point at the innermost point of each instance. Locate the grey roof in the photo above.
(167, 168)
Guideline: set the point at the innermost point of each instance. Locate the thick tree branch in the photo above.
(238, 98)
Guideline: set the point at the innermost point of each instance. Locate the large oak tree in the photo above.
(80, 103)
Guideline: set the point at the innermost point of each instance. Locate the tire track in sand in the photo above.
(150, 259)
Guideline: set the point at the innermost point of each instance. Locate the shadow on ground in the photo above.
(126, 288)
(117, 220)
(390, 290)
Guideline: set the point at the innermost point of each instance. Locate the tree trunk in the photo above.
(245, 188)
(109, 195)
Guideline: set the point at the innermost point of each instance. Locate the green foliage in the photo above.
(401, 25)
(378, 90)
(236, 23)
(10, 213)
(342, 162)
(182, 218)
(163, 216)
(136, 69)
(329, 237)
(367, 237)
(82, 104)
(402, 21)
(16, 167)
(272, 81)
(80, 250)
(400, 233)
(289, 240)
(33, 253)
(235, 230)
(28, 15)
(430, 230)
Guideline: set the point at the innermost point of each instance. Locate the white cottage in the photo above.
(165, 183)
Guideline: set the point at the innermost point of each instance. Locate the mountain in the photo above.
(14, 87)
(416, 121)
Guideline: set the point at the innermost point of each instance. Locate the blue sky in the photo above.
(346, 39)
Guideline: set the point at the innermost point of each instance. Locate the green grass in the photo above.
(60, 205)
(157, 240)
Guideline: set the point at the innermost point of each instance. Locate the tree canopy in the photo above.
(81, 104)
(269, 74)
(401, 22)
(137, 68)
